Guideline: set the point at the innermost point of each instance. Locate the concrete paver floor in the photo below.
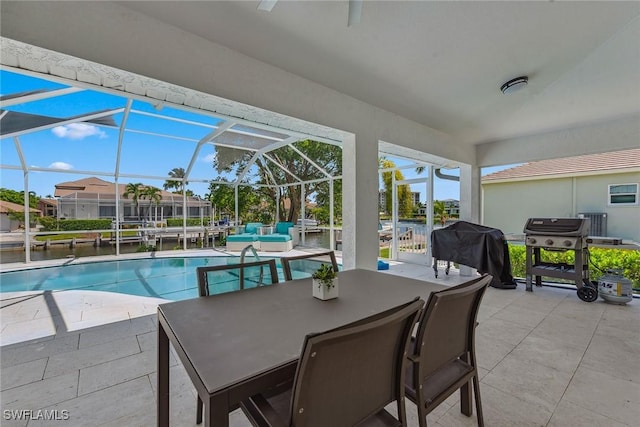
(546, 359)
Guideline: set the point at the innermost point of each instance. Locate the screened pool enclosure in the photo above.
(118, 154)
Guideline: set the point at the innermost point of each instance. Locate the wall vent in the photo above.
(598, 222)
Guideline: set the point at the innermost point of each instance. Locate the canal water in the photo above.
(313, 240)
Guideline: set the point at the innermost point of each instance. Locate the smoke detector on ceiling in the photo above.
(514, 85)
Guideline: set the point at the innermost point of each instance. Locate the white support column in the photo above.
(184, 219)
(303, 213)
(27, 219)
(360, 202)
(118, 217)
(470, 193)
(469, 201)
(429, 204)
(235, 195)
(394, 217)
(332, 235)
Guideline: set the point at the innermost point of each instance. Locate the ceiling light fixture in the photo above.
(267, 5)
(514, 85)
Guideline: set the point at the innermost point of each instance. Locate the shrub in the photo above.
(48, 223)
(601, 260)
(84, 224)
(177, 222)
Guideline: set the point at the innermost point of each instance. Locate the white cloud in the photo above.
(61, 165)
(77, 131)
(209, 158)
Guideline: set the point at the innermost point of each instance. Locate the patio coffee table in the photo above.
(237, 344)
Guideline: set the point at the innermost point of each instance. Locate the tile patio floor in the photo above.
(546, 358)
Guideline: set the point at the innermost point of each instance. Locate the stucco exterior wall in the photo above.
(508, 205)
(7, 224)
(592, 196)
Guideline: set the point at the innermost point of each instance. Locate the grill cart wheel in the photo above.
(588, 292)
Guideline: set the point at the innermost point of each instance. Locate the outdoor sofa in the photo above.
(281, 240)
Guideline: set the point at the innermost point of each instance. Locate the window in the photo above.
(623, 194)
(107, 212)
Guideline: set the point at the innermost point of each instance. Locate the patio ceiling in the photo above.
(441, 64)
(430, 71)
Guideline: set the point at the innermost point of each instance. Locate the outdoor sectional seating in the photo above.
(237, 242)
(281, 240)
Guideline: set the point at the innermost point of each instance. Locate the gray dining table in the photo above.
(237, 344)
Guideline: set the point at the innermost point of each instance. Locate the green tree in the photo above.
(153, 194)
(17, 197)
(135, 191)
(177, 186)
(16, 216)
(404, 191)
(440, 211)
(328, 157)
(223, 197)
(321, 212)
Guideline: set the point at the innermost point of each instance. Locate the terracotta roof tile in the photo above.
(571, 165)
(5, 207)
(93, 186)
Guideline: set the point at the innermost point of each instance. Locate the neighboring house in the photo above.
(92, 198)
(603, 186)
(9, 224)
(48, 207)
(451, 208)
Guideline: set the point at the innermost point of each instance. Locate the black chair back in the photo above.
(297, 267)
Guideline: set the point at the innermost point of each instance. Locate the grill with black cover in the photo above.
(483, 248)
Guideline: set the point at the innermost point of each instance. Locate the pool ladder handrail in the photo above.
(257, 257)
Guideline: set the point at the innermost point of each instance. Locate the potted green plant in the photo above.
(325, 283)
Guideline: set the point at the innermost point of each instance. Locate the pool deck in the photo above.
(40, 314)
(207, 252)
(546, 359)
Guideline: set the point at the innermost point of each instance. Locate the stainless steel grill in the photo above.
(559, 234)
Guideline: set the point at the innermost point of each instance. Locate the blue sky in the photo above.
(86, 147)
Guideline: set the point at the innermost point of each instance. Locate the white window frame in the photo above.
(610, 203)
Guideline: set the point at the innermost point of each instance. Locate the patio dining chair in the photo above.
(218, 279)
(345, 376)
(300, 266)
(443, 357)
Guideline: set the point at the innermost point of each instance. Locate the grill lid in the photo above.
(558, 226)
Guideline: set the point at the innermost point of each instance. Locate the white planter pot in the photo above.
(323, 292)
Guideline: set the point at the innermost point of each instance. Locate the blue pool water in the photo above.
(168, 278)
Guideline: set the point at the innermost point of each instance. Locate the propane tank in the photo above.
(613, 287)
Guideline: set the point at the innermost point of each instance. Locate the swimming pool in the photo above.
(168, 278)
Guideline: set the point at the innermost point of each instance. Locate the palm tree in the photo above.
(177, 185)
(135, 191)
(153, 194)
(440, 210)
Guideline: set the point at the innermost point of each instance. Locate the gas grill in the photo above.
(559, 234)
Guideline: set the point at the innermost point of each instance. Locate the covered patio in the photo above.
(429, 92)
